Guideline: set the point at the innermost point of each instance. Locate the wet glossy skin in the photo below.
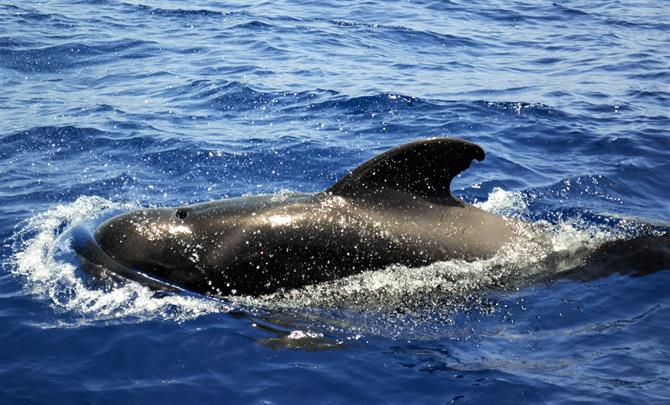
(257, 245)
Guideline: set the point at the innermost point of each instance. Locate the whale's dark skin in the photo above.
(395, 208)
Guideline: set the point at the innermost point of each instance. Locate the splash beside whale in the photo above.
(396, 208)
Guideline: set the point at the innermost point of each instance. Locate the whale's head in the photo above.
(208, 247)
(158, 242)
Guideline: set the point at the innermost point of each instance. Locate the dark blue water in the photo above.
(108, 105)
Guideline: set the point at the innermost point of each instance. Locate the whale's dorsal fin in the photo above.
(424, 167)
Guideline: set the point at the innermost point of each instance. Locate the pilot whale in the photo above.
(396, 208)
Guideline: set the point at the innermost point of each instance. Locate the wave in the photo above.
(233, 96)
(179, 13)
(32, 15)
(64, 141)
(69, 55)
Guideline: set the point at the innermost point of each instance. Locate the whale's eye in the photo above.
(181, 213)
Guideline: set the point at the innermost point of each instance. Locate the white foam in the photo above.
(39, 248)
(507, 203)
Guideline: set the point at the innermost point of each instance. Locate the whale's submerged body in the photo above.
(394, 209)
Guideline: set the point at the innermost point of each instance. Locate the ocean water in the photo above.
(111, 105)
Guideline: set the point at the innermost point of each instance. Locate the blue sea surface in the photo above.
(112, 105)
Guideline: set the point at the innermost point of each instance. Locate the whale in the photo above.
(396, 208)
